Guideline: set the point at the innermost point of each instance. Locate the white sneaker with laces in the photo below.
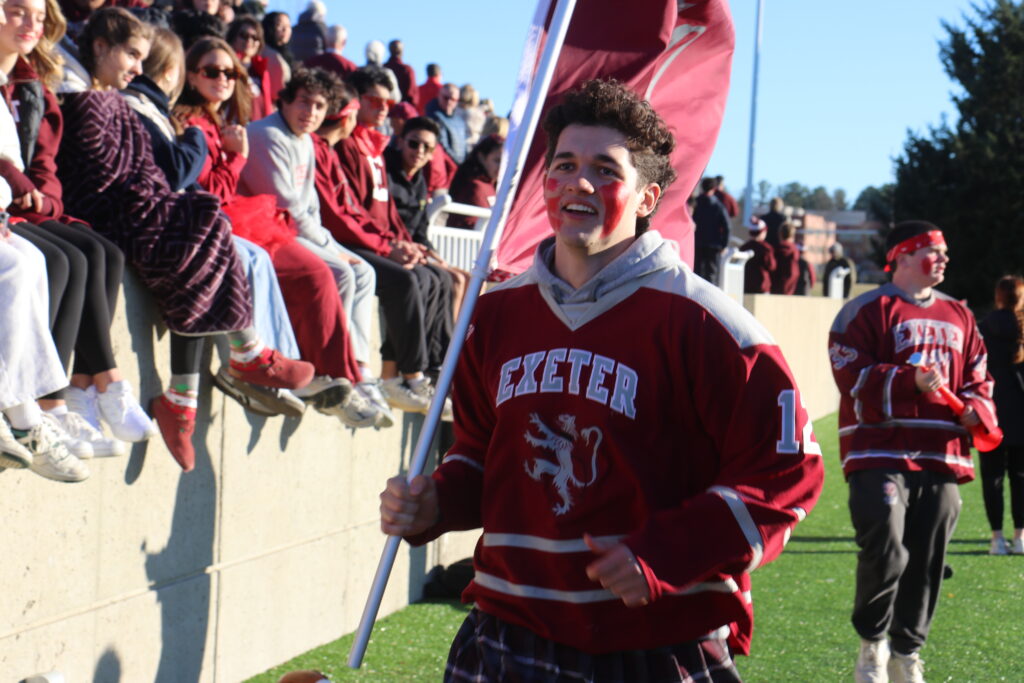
(999, 547)
(77, 447)
(124, 415)
(340, 399)
(12, 453)
(413, 396)
(871, 662)
(906, 668)
(50, 457)
(371, 392)
(1018, 546)
(77, 427)
(85, 403)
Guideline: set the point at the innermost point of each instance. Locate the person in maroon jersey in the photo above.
(903, 449)
(625, 490)
(757, 273)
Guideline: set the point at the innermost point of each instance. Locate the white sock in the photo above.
(25, 416)
(58, 410)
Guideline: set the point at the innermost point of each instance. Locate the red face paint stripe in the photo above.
(615, 196)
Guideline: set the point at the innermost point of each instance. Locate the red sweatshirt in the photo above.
(884, 421)
(41, 170)
(221, 168)
(691, 447)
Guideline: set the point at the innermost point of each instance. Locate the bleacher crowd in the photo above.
(260, 185)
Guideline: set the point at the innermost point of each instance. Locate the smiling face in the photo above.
(591, 192)
(117, 65)
(373, 106)
(305, 113)
(247, 42)
(417, 148)
(24, 26)
(214, 77)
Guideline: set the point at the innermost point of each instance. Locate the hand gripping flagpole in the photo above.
(521, 139)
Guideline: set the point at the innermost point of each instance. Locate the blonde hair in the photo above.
(164, 52)
(468, 96)
(495, 125)
(48, 64)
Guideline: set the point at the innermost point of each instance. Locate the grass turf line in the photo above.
(802, 602)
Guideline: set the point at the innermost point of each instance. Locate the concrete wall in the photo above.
(800, 325)
(266, 550)
(142, 573)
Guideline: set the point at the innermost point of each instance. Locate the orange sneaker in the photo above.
(177, 424)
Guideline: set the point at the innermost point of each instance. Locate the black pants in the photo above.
(903, 522)
(417, 308)
(705, 263)
(1003, 461)
(84, 272)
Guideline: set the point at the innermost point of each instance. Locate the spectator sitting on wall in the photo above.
(711, 232)
(430, 88)
(773, 219)
(453, 127)
(408, 167)
(475, 183)
(245, 36)
(838, 260)
(757, 274)
(805, 283)
(331, 58)
(787, 266)
(309, 35)
(728, 201)
(404, 73)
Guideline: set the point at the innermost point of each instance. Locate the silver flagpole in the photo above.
(506, 190)
(748, 194)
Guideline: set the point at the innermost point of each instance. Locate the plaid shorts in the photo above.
(487, 649)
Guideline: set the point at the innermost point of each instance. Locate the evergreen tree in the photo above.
(968, 178)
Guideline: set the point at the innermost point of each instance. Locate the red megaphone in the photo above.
(984, 440)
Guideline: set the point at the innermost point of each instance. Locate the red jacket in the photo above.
(221, 168)
(787, 268)
(333, 62)
(41, 170)
(428, 92)
(757, 274)
(340, 209)
(884, 421)
(406, 77)
(475, 191)
(368, 179)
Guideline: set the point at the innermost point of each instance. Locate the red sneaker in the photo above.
(177, 424)
(272, 369)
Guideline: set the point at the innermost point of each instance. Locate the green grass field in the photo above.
(802, 605)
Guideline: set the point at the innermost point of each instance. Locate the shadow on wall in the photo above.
(108, 668)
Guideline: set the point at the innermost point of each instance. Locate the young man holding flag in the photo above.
(625, 488)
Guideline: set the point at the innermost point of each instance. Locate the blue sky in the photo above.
(841, 82)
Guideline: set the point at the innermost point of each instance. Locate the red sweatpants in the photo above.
(314, 308)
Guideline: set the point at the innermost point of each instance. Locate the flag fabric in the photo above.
(677, 54)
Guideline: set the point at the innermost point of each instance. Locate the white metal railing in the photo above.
(457, 246)
(732, 271)
(835, 284)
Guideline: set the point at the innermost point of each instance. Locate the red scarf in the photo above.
(370, 142)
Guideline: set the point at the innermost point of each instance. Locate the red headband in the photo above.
(345, 111)
(912, 244)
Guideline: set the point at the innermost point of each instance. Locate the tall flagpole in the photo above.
(502, 205)
(748, 194)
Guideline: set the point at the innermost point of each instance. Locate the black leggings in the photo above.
(186, 354)
(84, 272)
(1005, 460)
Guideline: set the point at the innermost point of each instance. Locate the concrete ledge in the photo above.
(267, 549)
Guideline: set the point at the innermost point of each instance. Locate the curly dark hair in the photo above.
(368, 76)
(610, 103)
(315, 81)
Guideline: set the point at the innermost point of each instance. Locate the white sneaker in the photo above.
(124, 415)
(341, 400)
(414, 396)
(77, 447)
(871, 662)
(77, 427)
(371, 392)
(12, 453)
(50, 457)
(84, 402)
(906, 668)
(999, 547)
(1018, 546)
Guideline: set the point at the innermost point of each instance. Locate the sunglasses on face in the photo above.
(417, 145)
(213, 73)
(247, 37)
(378, 102)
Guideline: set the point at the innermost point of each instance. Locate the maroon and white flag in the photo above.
(676, 54)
